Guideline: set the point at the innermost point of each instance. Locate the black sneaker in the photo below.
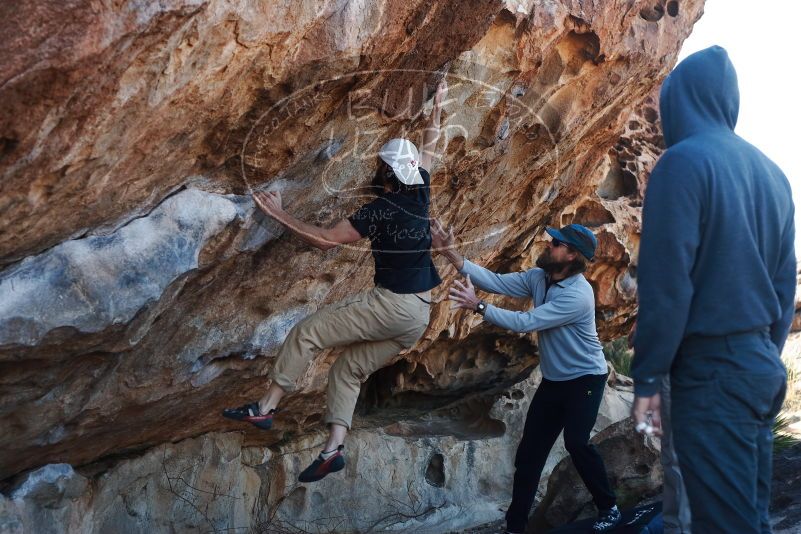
(607, 520)
(251, 414)
(320, 467)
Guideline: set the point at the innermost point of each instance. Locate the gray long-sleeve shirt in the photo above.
(563, 315)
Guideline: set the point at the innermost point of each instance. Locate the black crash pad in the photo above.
(634, 520)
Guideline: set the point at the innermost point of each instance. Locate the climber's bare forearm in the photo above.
(431, 133)
(443, 241)
(428, 150)
(341, 233)
(309, 233)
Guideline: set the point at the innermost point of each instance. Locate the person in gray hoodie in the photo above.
(716, 286)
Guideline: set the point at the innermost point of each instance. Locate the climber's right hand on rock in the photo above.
(442, 90)
(269, 202)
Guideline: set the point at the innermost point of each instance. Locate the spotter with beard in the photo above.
(571, 358)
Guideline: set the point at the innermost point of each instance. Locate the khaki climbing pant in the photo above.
(374, 326)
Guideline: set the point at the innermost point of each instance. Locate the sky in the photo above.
(761, 39)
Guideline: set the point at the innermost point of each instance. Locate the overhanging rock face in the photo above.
(140, 292)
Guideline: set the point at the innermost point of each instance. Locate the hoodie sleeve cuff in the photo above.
(647, 389)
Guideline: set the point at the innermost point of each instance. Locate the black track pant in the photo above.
(571, 405)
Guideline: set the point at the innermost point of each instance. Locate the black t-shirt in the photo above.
(398, 227)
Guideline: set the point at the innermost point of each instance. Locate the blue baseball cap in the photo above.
(577, 236)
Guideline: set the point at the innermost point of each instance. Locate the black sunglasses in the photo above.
(559, 243)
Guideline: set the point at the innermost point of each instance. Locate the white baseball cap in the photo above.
(402, 156)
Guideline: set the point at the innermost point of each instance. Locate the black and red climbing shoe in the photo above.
(323, 466)
(251, 414)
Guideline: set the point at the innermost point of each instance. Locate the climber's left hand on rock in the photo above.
(269, 202)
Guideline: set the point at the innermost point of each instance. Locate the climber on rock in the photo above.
(373, 326)
(571, 358)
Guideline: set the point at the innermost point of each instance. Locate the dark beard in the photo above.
(548, 265)
(384, 178)
(378, 181)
